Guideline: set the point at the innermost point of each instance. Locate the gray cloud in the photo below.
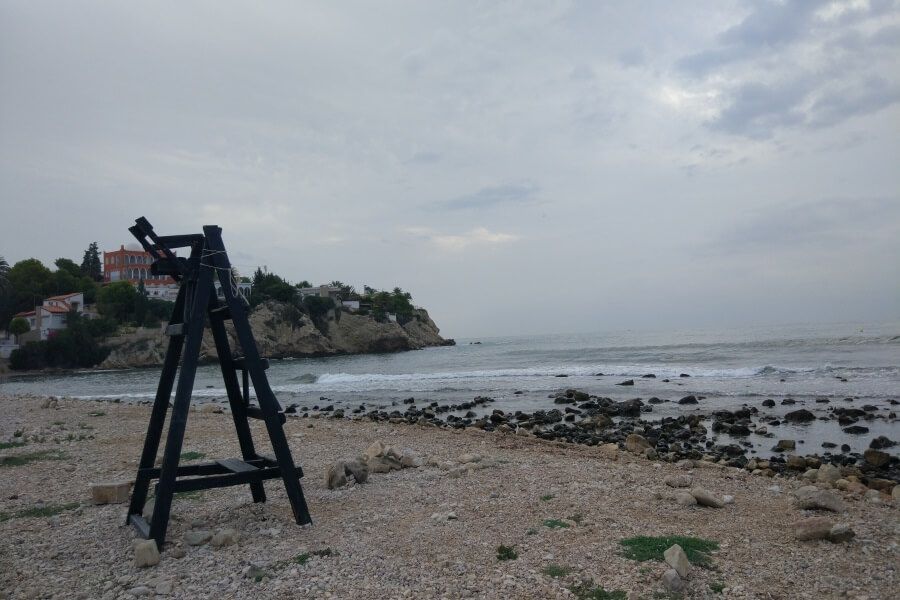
(490, 197)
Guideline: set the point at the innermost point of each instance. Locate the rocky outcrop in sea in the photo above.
(283, 331)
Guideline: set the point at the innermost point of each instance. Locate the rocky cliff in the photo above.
(282, 331)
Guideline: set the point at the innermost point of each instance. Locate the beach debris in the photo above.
(676, 558)
(626, 382)
(115, 492)
(50, 402)
(146, 554)
(442, 517)
(211, 409)
(811, 497)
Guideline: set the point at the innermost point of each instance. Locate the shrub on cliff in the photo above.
(76, 346)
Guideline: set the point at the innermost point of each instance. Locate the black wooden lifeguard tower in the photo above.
(196, 306)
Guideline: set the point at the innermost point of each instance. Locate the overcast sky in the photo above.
(520, 167)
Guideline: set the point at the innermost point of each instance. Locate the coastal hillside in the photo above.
(284, 331)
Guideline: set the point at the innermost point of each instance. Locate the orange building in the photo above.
(126, 264)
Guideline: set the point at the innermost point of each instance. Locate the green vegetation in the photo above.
(397, 302)
(531, 531)
(8, 445)
(547, 497)
(717, 586)
(643, 548)
(19, 460)
(302, 559)
(48, 510)
(556, 571)
(586, 590)
(192, 455)
(78, 345)
(556, 524)
(193, 495)
(506, 553)
(577, 518)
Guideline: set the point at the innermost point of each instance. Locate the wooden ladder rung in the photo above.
(255, 412)
(236, 465)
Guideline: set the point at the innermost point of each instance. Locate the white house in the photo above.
(322, 291)
(50, 316)
(351, 305)
(163, 291)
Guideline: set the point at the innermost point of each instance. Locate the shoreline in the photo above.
(388, 537)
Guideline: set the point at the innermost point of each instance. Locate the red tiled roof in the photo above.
(64, 296)
(27, 313)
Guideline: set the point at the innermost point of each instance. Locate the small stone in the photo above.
(813, 528)
(335, 476)
(682, 480)
(796, 462)
(224, 537)
(677, 559)
(672, 582)
(177, 552)
(469, 458)
(197, 537)
(110, 493)
(810, 474)
(148, 509)
(164, 588)
(410, 460)
(895, 493)
(704, 498)
(828, 473)
(842, 484)
(685, 499)
(146, 554)
(443, 516)
(873, 496)
(140, 590)
(727, 499)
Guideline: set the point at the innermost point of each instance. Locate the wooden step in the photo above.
(236, 465)
(240, 363)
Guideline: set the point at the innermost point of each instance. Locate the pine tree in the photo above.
(91, 265)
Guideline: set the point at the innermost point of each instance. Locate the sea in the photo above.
(819, 367)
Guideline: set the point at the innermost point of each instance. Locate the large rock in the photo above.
(281, 330)
(357, 469)
(383, 464)
(680, 480)
(785, 445)
(224, 537)
(705, 498)
(146, 554)
(678, 560)
(375, 449)
(335, 476)
(813, 528)
(828, 473)
(876, 458)
(685, 499)
(636, 443)
(197, 537)
(672, 582)
(812, 498)
(115, 492)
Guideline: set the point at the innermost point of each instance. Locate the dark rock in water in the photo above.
(782, 380)
(882, 442)
(518, 392)
(409, 401)
(848, 399)
(739, 429)
(822, 400)
(688, 400)
(648, 376)
(561, 375)
(788, 401)
(665, 381)
(876, 458)
(768, 403)
(845, 447)
(856, 429)
(630, 408)
(829, 445)
(655, 400)
(563, 400)
(869, 408)
(800, 416)
(684, 375)
(894, 402)
(598, 374)
(627, 382)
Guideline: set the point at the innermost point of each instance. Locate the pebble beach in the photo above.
(477, 514)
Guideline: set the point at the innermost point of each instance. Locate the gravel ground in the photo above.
(384, 538)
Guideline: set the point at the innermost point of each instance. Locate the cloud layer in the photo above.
(656, 164)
